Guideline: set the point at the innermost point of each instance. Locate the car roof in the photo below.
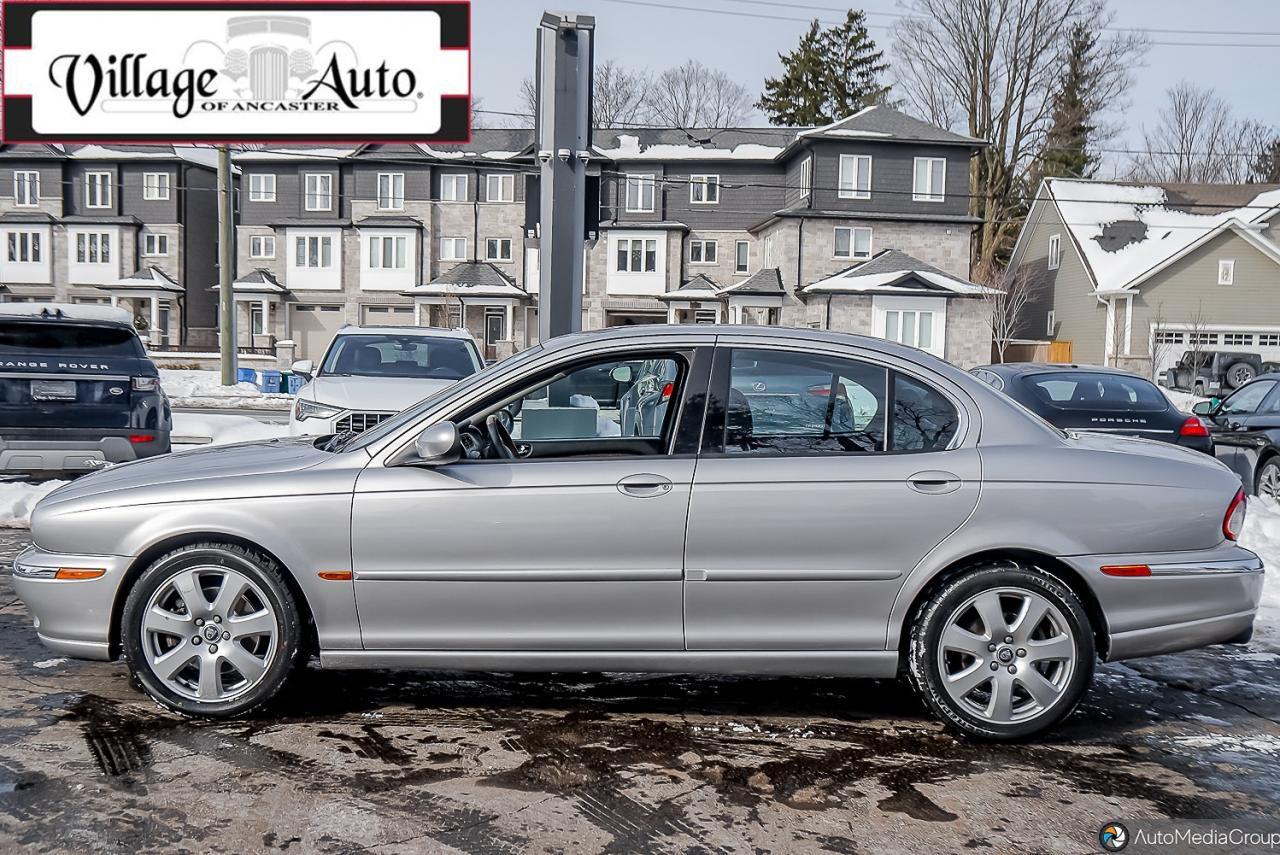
(662, 331)
(1021, 369)
(68, 313)
(433, 332)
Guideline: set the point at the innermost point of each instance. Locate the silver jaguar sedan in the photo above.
(811, 503)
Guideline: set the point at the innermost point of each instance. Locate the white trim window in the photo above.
(26, 189)
(852, 242)
(637, 256)
(97, 189)
(262, 246)
(155, 186)
(497, 249)
(262, 187)
(390, 191)
(742, 256)
(1226, 271)
(453, 187)
(640, 194)
(313, 251)
(704, 189)
(453, 249)
(500, 187)
(155, 244)
(913, 321)
(318, 195)
(930, 179)
(93, 248)
(702, 252)
(1055, 251)
(24, 247)
(855, 176)
(387, 252)
(806, 177)
(1051, 323)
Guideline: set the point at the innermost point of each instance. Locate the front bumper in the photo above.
(72, 617)
(1191, 599)
(76, 450)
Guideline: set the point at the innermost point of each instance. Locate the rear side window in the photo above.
(1093, 392)
(24, 337)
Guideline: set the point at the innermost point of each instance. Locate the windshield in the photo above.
(400, 355)
(86, 339)
(1093, 392)
(397, 423)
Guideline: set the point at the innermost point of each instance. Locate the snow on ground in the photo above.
(17, 498)
(1184, 401)
(201, 388)
(1262, 535)
(191, 430)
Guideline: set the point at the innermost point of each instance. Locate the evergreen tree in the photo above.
(1067, 153)
(830, 75)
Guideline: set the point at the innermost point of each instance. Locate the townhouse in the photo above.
(123, 225)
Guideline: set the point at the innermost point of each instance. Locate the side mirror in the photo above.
(438, 445)
(621, 374)
(304, 368)
(1203, 408)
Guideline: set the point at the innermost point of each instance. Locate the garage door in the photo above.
(314, 327)
(400, 316)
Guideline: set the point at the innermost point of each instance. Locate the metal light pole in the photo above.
(226, 261)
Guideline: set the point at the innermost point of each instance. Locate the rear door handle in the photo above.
(644, 486)
(934, 482)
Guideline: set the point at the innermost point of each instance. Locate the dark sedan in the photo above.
(1246, 433)
(1085, 397)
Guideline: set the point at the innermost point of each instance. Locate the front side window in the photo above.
(387, 252)
(704, 189)
(742, 257)
(153, 244)
(155, 186)
(1245, 400)
(319, 191)
(453, 188)
(390, 191)
(24, 247)
(262, 187)
(497, 249)
(262, 246)
(453, 249)
(500, 188)
(702, 252)
(97, 190)
(640, 189)
(930, 179)
(313, 251)
(93, 248)
(855, 176)
(852, 242)
(26, 189)
(637, 256)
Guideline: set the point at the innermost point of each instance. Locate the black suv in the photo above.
(77, 390)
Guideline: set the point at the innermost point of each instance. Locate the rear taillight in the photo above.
(1233, 522)
(668, 390)
(146, 384)
(139, 438)
(1193, 427)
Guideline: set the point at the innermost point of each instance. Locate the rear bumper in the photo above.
(1191, 599)
(71, 617)
(75, 450)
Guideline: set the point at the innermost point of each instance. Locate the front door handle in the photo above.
(644, 486)
(934, 482)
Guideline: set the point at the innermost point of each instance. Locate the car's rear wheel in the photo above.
(212, 629)
(1239, 374)
(1269, 480)
(1002, 652)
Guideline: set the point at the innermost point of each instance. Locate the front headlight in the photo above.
(304, 409)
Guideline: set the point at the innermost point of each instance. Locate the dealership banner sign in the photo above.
(240, 71)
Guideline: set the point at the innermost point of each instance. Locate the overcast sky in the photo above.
(747, 47)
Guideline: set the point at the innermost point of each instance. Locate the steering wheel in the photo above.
(500, 438)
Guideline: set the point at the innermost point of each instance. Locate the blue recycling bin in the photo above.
(295, 383)
(246, 375)
(269, 380)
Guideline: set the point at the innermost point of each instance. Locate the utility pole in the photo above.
(226, 271)
(563, 134)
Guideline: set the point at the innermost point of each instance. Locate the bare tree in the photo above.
(1159, 347)
(694, 96)
(990, 68)
(1012, 291)
(619, 95)
(1198, 140)
(1197, 339)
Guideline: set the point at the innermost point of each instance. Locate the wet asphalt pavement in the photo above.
(417, 762)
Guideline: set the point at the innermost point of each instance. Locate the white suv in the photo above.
(371, 373)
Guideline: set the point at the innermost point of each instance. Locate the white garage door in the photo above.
(314, 327)
(400, 316)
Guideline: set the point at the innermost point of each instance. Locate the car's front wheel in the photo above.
(1002, 652)
(212, 629)
(1269, 480)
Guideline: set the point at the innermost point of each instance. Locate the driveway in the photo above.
(427, 762)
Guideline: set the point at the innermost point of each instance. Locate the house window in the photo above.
(319, 191)
(24, 247)
(155, 186)
(637, 256)
(930, 179)
(262, 246)
(313, 251)
(640, 193)
(1050, 323)
(500, 188)
(262, 187)
(26, 189)
(453, 188)
(855, 176)
(852, 242)
(806, 177)
(913, 321)
(702, 252)
(1226, 271)
(453, 249)
(1055, 251)
(97, 189)
(1268, 340)
(497, 249)
(914, 329)
(257, 324)
(153, 244)
(704, 189)
(390, 191)
(1238, 339)
(93, 248)
(741, 256)
(387, 252)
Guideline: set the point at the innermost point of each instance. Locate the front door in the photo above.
(823, 484)
(494, 332)
(577, 543)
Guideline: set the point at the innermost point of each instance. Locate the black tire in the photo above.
(270, 579)
(923, 666)
(1239, 373)
(1268, 474)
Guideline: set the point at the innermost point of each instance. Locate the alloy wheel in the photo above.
(209, 633)
(1269, 482)
(1006, 655)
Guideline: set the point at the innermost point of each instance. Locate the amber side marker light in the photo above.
(79, 573)
(335, 575)
(1126, 570)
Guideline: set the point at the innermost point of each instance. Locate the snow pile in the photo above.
(17, 498)
(1184, 401)
(196, 388)
(629, 148)
(1262, 535)
(197, 429)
